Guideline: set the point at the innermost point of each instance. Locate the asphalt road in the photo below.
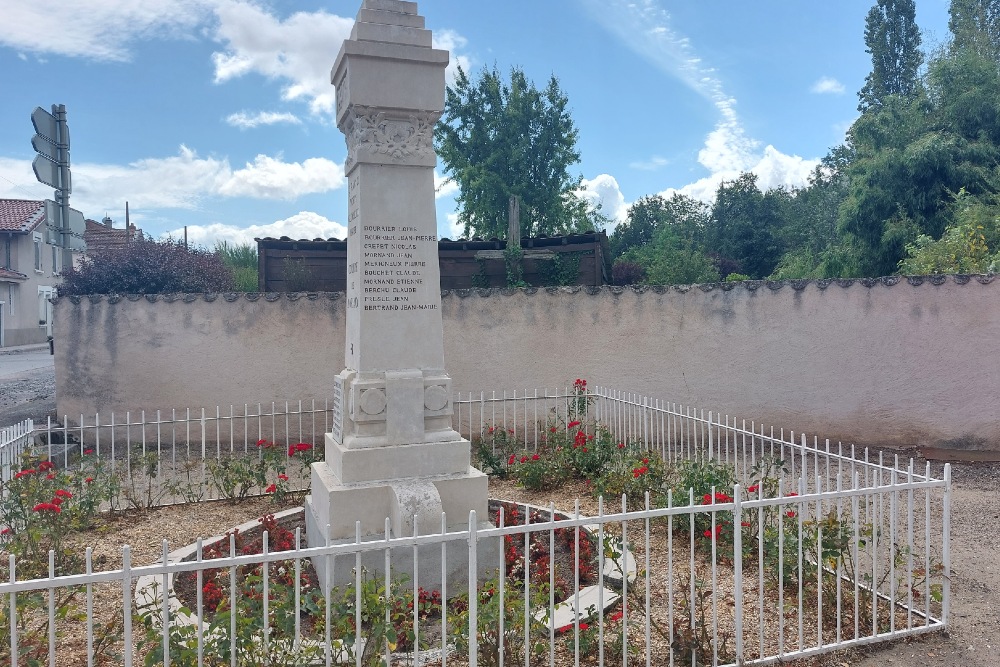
(27, 386)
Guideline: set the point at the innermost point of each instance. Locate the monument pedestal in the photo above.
(393, 455)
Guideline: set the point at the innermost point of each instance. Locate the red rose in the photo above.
(511, 460)
(283, 477)
(535, 457)
(271, 489)
(572, 424)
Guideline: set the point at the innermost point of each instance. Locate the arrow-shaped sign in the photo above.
(45, 124)
(47, 172)
(44, 147)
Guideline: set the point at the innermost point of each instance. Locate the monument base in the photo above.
(335, 508)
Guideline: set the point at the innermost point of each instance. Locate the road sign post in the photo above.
(51, 167)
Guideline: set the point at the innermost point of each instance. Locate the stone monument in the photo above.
(392, 452)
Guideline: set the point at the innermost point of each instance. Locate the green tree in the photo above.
(893, 40)
(689, 217)
(670, 259)
(744, 227)
(969, 244)
(147, 266)
(499, 139)
(975, 27)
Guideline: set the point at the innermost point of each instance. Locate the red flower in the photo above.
(791, 495)
(753, 489)
(584, 626)
(25, 473)
(745, 524)
(511, 460)
(707, 533)
(491, 429)
(89, 480)
(511, 431)
(47, 507)
(270, 489)
(524, 459)
(63, 493)
(88, 452)
(57, 501)
(790, 514)
(5, 531)
(46, 465)
(51, 475)
(617, 616)
(552, 429)
(584, 450)
(621, 445)
(706, 499)
(283, 477)
(645, 461)
(535, 457)
(573, 424)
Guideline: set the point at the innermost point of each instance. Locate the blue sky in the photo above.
(217, 114)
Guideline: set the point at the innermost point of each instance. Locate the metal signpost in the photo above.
(51, 167)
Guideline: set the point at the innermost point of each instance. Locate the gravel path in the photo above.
(973, 638)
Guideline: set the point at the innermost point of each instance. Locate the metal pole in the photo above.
(62, 193)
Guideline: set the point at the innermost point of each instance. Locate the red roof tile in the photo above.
(20, 215)
(9, 276)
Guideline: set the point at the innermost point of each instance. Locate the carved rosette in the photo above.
(397, 137)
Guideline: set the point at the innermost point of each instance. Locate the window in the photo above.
(38, 251)
(45, 306)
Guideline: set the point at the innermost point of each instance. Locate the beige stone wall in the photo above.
(876, 362)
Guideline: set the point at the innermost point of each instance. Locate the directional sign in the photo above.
(44, 147)
(46, 124)
(77, 226)
(46, 171)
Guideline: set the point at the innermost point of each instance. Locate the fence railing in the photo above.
(14, 440)
(675, 597)
(843, 548)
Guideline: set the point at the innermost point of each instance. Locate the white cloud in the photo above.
(603, 189)
(444, 186)
(182, 181)
(298, 50)
(646, 28)
(827, 85)
(456, 230)
(96, 29)
(449, 40)
(652, 164)
(246, 120)
(303, 225)
(271, 178)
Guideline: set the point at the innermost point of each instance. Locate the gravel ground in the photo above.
(973, 637)
(27, 395)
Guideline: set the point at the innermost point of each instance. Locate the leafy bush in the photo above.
(241, 258)
(146, 266)
(627, 273)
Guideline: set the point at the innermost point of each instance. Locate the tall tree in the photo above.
(975, 27)
(688, 217)
(499, 139)
(893, 40)
(743, 232)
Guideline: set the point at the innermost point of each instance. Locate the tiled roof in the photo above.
(20, 215)
(101, 237)
(8, 276)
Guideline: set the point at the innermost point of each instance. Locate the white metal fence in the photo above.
(844, 549)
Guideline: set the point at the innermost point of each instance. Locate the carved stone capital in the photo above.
(377, 135)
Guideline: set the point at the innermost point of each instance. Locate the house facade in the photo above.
(29, 273)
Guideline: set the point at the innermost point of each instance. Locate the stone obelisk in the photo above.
(393, 452)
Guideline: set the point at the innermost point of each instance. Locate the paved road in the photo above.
(27, 385)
